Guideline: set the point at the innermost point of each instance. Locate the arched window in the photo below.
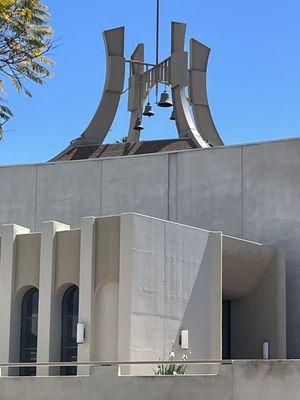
(68, 329)
(29, 329)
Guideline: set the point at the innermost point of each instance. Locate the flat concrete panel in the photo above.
(266, 380)
(68, 191)
(183, 256)
(271, 194)
(135, 184)
(272, 214)
(149, 335)
(173, 177)
(67, 258)
(105, 384)
(176, 284)
(17, 195)
(203, 314)
(209, 190)
(27, 260)
(148, 267)
(244, 380)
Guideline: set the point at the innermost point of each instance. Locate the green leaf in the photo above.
(25, 40)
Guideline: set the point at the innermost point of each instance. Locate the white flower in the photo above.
(172, 354)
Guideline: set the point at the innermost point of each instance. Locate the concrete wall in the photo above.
(243, 380)
(248, 191)
(141, 280)
(254, 282)
(106, 288)
(175, 275)
(27, 268)
(67, 258)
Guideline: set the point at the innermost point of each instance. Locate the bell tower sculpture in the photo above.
(184, 73)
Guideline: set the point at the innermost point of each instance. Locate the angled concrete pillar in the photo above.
(86, 291)
(48, 346)
(8, 341)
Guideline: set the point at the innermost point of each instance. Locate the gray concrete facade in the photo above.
(243, 380)
(248, 191)
(142, 281)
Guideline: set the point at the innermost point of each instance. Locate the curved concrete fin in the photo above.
(113, 87)
(178, 80)
(178, 36)
(114, 41)
(184, 122)
(199, 55)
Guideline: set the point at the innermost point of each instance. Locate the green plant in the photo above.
(25, 40)
(173, 368)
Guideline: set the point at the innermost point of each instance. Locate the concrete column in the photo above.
(7, 288)
(125, 291)
(86, 291)
(47, 348)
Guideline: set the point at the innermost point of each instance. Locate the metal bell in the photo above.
(165, 100)
(138, 125)
(172, 117)
(148, 112)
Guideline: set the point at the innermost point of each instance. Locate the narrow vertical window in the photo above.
(29, 329)
(68, 329)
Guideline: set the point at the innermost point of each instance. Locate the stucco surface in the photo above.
(135, 184)
(209, 190)
(141, 281)
(67, 258)
(27, 260)
(107, 250)
(176, 284)
(253, 380)
(18, 195)
(272, 214)
(250, 191)
(264, 380)
(66, 192)
(254, 281)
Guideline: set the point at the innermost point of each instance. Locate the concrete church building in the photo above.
(109, 252)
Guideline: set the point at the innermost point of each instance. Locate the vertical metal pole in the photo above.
(157, 44)
(157, 30)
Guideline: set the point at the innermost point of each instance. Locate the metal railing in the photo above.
(112, 363)
(11, 369)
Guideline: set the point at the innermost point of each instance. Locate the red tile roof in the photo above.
(83, 152)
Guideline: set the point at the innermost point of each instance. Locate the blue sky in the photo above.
(253, 75)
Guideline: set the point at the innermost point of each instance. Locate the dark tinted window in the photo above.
(69, 327)
(29, 330)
